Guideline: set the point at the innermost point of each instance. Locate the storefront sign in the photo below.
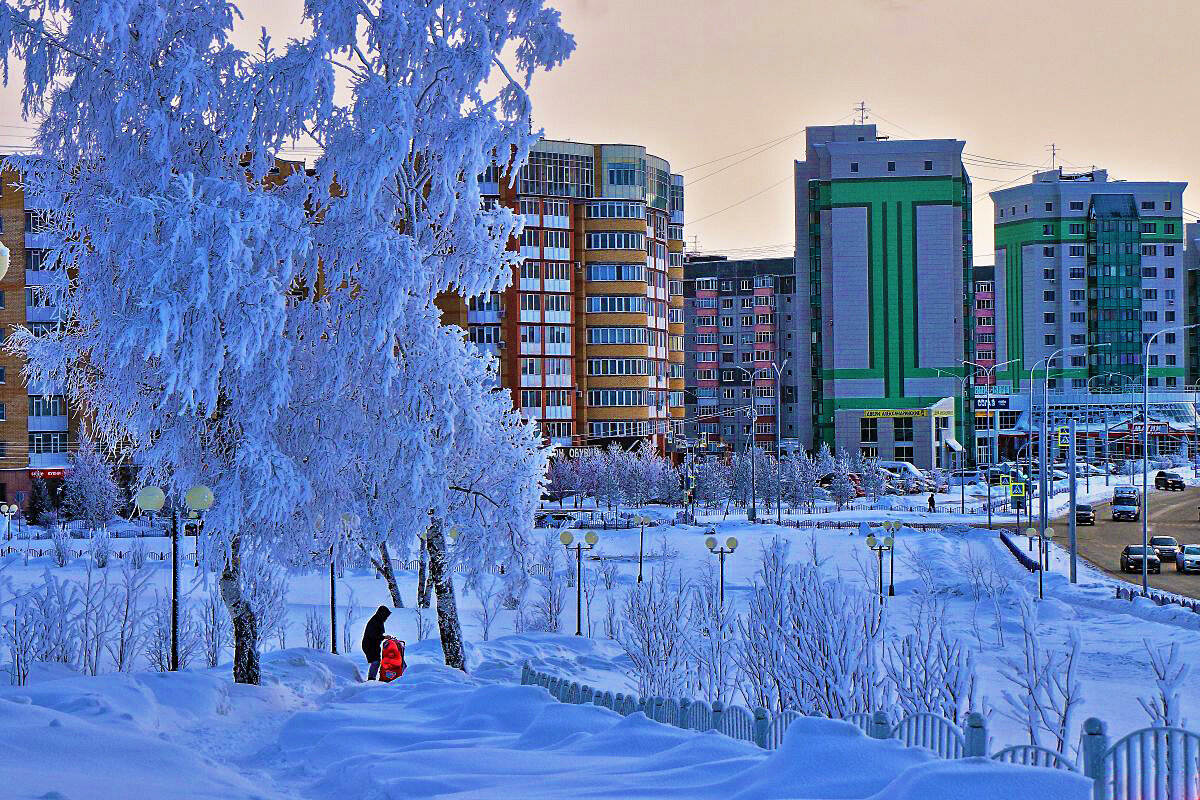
(991, 403)
(879, 413)
(47, 473)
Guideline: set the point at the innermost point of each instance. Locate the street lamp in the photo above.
(641, 544)
(990, 374)
(198, 500)
(1043, 553)
(1104, 424)
(730, 545)
(589, 541)
(8, 510)
(962, 483)
(880, 546)
(1146, 447)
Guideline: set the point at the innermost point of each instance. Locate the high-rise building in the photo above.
(1089, 269)
(740, 354)
(1191, 255)
(36, 430)
(883, 237)
(1093, 267)
(590, 333)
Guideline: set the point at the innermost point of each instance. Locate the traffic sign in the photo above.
(1017, 489)
(1064, 437)
(1005, 480)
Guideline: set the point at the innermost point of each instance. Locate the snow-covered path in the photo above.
(315, 731)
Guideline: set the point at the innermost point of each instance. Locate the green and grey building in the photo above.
(883, 234)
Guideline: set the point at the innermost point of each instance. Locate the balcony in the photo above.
(49, 461)
(48, 423)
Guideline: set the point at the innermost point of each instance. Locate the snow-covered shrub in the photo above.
(60, 541)
(265, 586)
(1046, 691)
(101, 546)
(316, 630)
(874, 482)
(21, 638)
(548, 603)
(56, 608)
(94, 618)
(489, 590)
(423, 625)
(348, 618)
(39, 508)
(1170, 672)
(713, 643)
(655, 626)
(128, 629)
(931, 670)
(157, 645)
(216, 630)
(137, 554)
(90, 493)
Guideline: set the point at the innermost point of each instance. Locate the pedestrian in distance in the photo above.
(372, 640)
(932, 504)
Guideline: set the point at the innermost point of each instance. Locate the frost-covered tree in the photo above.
(825, 460)
(874, 481)
(842, 488)
(39, 509)
(807, 475)
(90, 492)
(712, 481)
(208, 320)
(1170, 672)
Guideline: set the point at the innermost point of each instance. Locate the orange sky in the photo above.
(1109, 82)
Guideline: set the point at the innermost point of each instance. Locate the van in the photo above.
(1126, 503)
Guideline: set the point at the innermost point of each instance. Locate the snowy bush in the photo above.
(60, 540)
(931, 670)
(655, 627)
(316, 630)
(216, 630)
(713, 643)
(137, 554)
(548, 603)
(90, 493)
(101, 546)
(93, 619)
(128, 632)
(265, 586)
(489, 591)
(21, 638)
(157, 645)
(1170, 673)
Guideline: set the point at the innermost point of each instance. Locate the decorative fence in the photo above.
(1156, 763)
(825, 524)
(42, 552)
(1031, 564)
(1159, 598)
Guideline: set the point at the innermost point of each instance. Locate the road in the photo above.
(1171, 514)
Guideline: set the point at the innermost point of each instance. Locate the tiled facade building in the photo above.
(36, 430)
(740, 360)
(590, 333)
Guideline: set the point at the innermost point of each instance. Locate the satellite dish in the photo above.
(5, 256)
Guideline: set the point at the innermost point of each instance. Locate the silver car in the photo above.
(1187, 558)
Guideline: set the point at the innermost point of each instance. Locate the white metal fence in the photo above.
(1155, 763)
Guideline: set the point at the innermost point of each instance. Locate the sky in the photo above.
(698, 80)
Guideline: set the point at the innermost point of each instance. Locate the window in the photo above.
(616, 209)
(1149, 249)
(55, 442)
(617, 304)
(747, 302)
(1077, 338)
(1048, 273)
(1166, 205)
(1147, 205)
(1077, 205)
(52, 406)
(928, 166)
(1076, 250)
(903, 429)
(1049, 206)
(868, 430)
(1048, 296)
(1048, 339)
(616, 272)
(36, 221)
(1078, 317)
(1149, 227)
(618, 366)
(1149, 294)
(1076, 295)
(1076, 228)
(1047, 230)
(854, 166)
(1168, 249)
(531, 398)
(748, 320)
(1048, 252)
(1169, 272)
(891, 166)
(614, 240)
(1048, 317)
(1168, 227)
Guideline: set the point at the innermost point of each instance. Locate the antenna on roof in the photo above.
(861, 109)
(1053, 155)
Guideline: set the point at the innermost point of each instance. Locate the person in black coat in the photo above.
(372, 640)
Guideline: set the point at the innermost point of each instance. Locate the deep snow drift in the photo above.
(313, 730)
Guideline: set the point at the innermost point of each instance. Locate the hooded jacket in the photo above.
(372, 639)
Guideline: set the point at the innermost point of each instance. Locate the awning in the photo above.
(953, 444)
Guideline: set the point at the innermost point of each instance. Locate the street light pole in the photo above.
(589, 541)
(993, 434)
(962, 482)
(730, 545)
(880, 547)
(1146, 447)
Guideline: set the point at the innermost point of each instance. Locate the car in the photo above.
(1165, 546)
(1169, 481)
(1187, 558)
(1132, 557)
(1085, 514)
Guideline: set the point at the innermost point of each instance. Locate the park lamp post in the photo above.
(880, 546)
(1043, 556)
(198, 500)
(962, 465)
(8, 511)
(730, 545)
(589, 541)
(641, 544)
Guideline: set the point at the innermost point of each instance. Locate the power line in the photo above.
(772, 142)
(743, 200)
(742, 160)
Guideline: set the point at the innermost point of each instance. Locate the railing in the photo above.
(1159, 598)
(1031, 564)
(1157, 763)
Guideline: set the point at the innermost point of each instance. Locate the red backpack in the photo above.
(391, 659)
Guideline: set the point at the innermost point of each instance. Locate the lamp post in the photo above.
(1031, 532)
(1146, 446)
(1104, 425)
(880, 547)
(730, 545)
(589, 541)
(198, 499)
(8, 510)
(990, 374)
(641, 544)
(778, 427)
(962, 483)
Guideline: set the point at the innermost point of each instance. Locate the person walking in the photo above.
(372, 640)
(932, 504)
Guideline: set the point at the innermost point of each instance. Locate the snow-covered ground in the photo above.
(313, 730)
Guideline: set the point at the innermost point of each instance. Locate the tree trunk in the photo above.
(422, 580)
(245, 624)
(447, 607)
(385, 567)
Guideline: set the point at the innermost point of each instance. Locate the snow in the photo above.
(314, 730)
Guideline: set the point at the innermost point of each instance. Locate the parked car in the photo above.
(1187, 558)
(1165, 546)
(967, 476)
(1085, 514)
(1132, 556)
(1170, 481)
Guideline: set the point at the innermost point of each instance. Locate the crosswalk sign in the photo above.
(1064, 437)
(1017, 489)
(1005, 480)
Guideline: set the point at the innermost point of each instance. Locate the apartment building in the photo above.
(1191, 256)
(740, 357)
(590, 335)
(36, 430)
(883, 237)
